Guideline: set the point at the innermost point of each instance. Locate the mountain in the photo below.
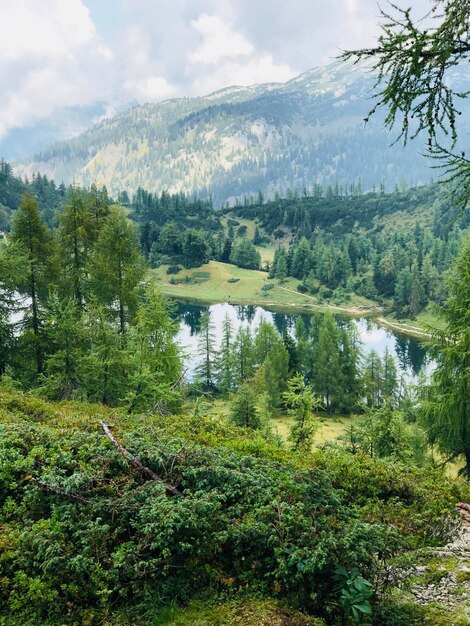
(62, 125)
(239, 140)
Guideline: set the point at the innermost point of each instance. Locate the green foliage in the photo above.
(300, 403)
(84, 533)
(117, 267)
(355, 594)
(243, 410)
(446, 401)
(412, 61)
(244, 254)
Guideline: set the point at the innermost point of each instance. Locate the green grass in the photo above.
(248, 290)
(331, 426)
(251, 612)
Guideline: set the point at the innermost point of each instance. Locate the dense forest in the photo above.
(390, 248)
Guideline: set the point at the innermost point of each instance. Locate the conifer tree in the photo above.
(373, 379)
(117, 267)
(327, 366)
(446, 402)
(243, 409)
(36, 247)
(276, 371)
(225, 358)
(153, 354)
(207, 351)
(243, 355)
(301, 402)
(76, 235)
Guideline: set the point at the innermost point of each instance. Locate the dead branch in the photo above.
(136, 463)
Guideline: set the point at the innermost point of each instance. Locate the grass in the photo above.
(251, 612)
(331, 426)
(248, 290)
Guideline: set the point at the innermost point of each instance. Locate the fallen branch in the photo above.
(136, 463)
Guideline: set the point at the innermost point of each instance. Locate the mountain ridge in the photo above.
(238, 140)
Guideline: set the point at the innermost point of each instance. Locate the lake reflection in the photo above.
(410, 355)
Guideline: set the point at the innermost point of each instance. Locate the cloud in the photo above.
(218, 41)
(150, 88)
(235, 59)
(54, 53)
(50, 57)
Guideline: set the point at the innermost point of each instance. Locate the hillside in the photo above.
(239, 140)
(88, 538)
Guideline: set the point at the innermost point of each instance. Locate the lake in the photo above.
(410, 356)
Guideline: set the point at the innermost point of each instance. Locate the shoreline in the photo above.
(295, 308)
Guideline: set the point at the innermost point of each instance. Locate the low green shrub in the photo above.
(233, 280)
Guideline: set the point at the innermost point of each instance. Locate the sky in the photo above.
(56, 54)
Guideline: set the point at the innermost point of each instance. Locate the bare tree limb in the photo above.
(136, 463)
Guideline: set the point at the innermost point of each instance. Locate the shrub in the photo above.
(174, 269)
(233, 280)
(201, 274)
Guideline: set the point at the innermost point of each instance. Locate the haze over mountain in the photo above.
(239, 140)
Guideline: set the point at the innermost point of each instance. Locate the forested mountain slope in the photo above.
(239, 140)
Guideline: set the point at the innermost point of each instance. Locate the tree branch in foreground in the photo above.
(135, 461)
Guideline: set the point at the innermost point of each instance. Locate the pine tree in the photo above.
(36, 247)
(117, 267)
(225, 359)
(300, 403)
(243, 409)
(207, 351)
(446, 402)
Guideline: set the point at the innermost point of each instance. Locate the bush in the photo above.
(201, 274)
(302, 288)
(267, 287)
(233, 280)
(174, 269)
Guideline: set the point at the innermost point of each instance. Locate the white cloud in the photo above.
(50, 57)
(53, 56)
(219, 41)
(150, 89)
(233, 60)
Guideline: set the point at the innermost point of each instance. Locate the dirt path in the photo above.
(348, 310)
(406, 329)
